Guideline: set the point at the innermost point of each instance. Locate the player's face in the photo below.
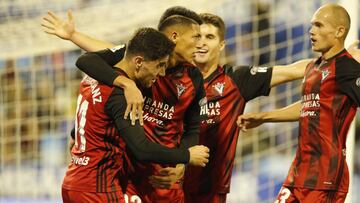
(149, 71)
(322, 32)
(210, 46)
(186, 43)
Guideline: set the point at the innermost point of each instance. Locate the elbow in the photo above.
(83, 61)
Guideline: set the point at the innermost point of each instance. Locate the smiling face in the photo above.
(210, 46)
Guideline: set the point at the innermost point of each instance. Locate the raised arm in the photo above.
(286, 73)
(65, 29)
(286, 114)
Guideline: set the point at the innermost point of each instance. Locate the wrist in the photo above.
(73, 35)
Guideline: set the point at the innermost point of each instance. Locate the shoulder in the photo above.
(345, 64)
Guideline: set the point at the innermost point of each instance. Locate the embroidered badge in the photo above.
(219, 87)
(324, 74)
(180, 89)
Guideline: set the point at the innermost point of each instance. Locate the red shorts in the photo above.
(71, 196)
(304, 195)
(151, 195)
(205, 198)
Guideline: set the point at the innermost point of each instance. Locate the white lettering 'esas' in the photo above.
(80, 160)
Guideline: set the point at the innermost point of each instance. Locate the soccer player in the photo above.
(330, 96)
(101, 132)
(172, 104)
(227, 90)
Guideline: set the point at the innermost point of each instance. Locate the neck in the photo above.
(333, 51)
(208, 68)
(172, 60)
(125, 66)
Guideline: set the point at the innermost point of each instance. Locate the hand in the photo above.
(249, 120)
(56, 26)
(134, 100)
(167, 176)
(199, 155)
(354, 50)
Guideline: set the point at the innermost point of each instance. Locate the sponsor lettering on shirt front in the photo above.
(310, 103)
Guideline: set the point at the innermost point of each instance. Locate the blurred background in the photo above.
(39, 85)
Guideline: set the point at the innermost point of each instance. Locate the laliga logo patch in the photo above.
(203, 101)
(116, 48)
(219, 87)
(180, 89)
(324, 74)
(357, 82)
(258, 69)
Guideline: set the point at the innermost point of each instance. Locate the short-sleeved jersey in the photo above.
(172, 103)
(227, 91)
(330, 96)
(97, 155)
(169, 103)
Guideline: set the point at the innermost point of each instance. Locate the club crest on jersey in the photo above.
(180, 89)
(219, 87)
(258, 69)
(324, 74)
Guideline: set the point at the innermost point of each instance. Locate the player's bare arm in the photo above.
(167, 176)
(354, 50)
(289, 72)
(286, 114)
(65, 29)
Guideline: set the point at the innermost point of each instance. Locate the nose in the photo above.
(311, 31)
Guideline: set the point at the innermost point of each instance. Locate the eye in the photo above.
(210, 36)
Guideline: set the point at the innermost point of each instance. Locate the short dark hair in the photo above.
(179, 10)
(176, 20)
(216, 21)
(150, 43)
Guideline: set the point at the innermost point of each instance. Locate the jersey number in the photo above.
(82, 106)
(284, 194)
(133, 199)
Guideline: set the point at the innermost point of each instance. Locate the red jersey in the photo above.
(171, 106)
(330, 96)
(98, 150)
(227, 91)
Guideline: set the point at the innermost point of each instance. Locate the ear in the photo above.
(138, 61)
(340, 32)
(174, 36)
(222, 45)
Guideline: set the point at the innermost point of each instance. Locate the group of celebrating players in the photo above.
(179, 142)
